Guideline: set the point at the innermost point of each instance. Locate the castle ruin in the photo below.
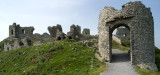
(123, 33)
(23, 36)
(139, 21)
(86, 31)
(74, 33)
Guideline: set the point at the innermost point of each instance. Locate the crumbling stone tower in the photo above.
(74, 33)
(86, 31)
(138, 19)
(123, 33)
(56, 32)
(16, 31)
(13, 30)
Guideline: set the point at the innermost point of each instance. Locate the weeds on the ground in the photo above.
(66, 57)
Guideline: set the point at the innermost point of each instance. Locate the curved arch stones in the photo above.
(138, 19)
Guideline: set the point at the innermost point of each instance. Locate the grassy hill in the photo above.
(65, 57)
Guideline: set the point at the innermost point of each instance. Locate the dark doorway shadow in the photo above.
(119, 56)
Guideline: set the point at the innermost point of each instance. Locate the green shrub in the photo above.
(125, 42)
(157, 57)
(116, 45)
(157, 50)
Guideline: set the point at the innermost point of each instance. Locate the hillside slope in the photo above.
(65, 57)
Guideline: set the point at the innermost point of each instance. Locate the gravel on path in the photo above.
(120, 64)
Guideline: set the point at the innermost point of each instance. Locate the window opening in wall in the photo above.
(124, 35)
(8, 48)
(59, 38)
(70, 37)
(11, 32)
(23, 31)
(21, 43)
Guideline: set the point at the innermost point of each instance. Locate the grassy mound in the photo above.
(65, 57)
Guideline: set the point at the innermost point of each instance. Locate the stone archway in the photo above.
(110, 37)
(138, 19)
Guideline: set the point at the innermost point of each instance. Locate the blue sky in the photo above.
(44, 13)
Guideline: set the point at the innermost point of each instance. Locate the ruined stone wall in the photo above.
(123, 33)
(86, 31)
(16, 31)
(16, 43)
(44, 36)
(91, 37)
(19, 36)
(138, 19)
(56, 32)
(74, 33)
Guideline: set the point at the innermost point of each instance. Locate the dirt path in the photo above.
(120, 64)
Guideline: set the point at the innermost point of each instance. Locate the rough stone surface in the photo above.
(123, 33)
(16, 43)
(16, 31)
(56, 32)
(20, 36)
(138, 19)
(86, 31)
(74, 33)
(37, 43)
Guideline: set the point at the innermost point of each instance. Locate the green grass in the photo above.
(125, 42)
(146, 72)
(116, 45)
(66, 57)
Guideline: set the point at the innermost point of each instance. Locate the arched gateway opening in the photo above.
(120, 51)
(138, 19)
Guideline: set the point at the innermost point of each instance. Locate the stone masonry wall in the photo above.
(86, 31)
(74, 33)
(123, 33)
(138, 19)
(19, 36)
